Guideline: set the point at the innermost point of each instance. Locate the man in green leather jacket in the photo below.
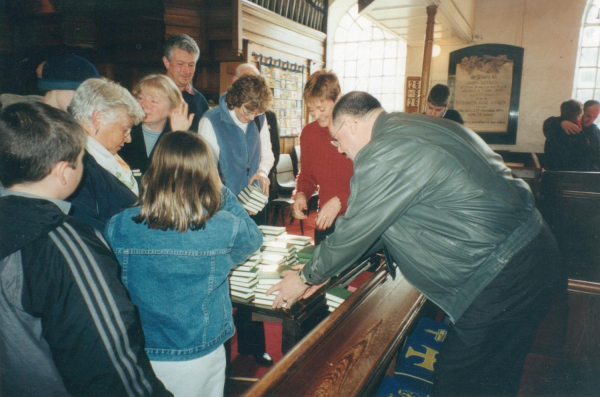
(460, 228)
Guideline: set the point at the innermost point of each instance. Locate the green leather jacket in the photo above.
(441, 201)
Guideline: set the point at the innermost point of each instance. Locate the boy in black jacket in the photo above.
(68, 326)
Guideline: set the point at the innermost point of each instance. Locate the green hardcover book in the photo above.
(306, 252)
(337, 294)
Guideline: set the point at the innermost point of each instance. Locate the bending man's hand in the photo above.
(570, 128)
(263, 179)
(179, 118)
(328, 213)
(299, 206)
(291, 288)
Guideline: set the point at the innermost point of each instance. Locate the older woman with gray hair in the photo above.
(106, 111)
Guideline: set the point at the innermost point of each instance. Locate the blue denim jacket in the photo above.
(179, 280)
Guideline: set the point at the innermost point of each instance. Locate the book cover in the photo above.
(243, 295)
(272, 259)
(337, 294)
(242, 289)
(333, 304)
(244, 273)
(247, 284)
(262, 302)
(242, 279)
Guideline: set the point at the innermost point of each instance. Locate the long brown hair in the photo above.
(181, 189)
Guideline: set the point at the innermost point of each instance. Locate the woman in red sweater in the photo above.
(323, 168)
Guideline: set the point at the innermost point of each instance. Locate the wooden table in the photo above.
(305, 314)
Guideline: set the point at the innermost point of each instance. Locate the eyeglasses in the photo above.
(335, 142)
(250, 114)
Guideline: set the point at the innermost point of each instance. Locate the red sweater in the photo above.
(323, 166)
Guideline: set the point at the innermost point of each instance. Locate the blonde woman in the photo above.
(176, 250)
(164, 111)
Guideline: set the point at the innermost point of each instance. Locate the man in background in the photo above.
(437, 104)
(180, 55)
(573, 145)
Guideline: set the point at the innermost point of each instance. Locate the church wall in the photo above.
(548, 30)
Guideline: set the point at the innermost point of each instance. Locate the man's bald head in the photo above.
(245, 68)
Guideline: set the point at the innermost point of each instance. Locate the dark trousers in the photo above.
(321, 235)
(250, 334)
(484, 352)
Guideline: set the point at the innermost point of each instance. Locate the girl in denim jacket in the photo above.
(176, 250)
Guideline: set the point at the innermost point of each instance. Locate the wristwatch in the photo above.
(304, 280)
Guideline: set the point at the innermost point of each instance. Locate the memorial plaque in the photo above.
(486, 81)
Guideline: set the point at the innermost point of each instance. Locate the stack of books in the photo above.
(253, 199)
(268, 276)
(243, 279)
(277, 247)
(298, 241)
(271, 230)
(336, 296)
(305, 254)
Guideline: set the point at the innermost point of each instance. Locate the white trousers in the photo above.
(201, 377)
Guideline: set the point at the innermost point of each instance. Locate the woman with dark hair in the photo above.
(176, 249)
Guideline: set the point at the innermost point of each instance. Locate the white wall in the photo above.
(548, 30)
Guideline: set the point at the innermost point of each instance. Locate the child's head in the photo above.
(181, 189)
(437, 101)
(571, 110)
(34, 138)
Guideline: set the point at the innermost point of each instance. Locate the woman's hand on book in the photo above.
(263, 179)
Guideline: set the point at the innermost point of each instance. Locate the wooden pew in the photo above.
(570, 203)
(350, 351)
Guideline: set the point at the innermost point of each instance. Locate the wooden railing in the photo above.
(311, 13)
(350, 351)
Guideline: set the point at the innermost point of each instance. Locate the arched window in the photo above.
(587, 79)
(366, 58)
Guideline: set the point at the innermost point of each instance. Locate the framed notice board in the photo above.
(413, 92)
(486, 84)
(287, 83)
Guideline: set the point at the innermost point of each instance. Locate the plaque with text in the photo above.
(413, 92)
(486, 81)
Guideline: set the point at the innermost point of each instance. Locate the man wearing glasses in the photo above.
(461, 230)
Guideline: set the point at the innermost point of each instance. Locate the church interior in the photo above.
(396, 50)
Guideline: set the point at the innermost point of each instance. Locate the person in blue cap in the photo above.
(61, 76)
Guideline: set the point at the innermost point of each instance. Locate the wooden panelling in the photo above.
(269, 29)
(183, 11)
(227, 72)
